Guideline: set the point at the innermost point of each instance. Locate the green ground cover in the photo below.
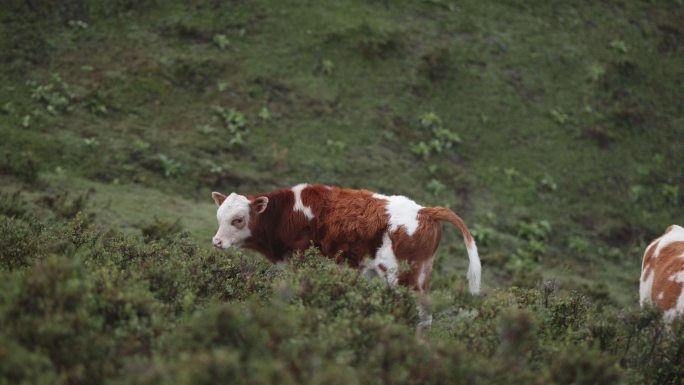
(553, 128)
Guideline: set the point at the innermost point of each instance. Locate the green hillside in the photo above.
(555, 129)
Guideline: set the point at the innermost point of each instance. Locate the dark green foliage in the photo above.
(21, 242)
(158, 230)
(553, 128)
(566, 315)
(11, 204)
(333, 295)
(26, 25)
(437, 64)
(652, 348)
(84, 306)
(195, 75)
(372, 41)
(378, 42)
(23, 165)
(584, 367)
(668, 355)
(56, 96)
(82, 322)
(66, 208)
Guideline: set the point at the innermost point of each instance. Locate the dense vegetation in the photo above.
(80, 305)
(553, 128)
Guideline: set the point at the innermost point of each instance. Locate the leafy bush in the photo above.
(236, 123)
(158, 229)
(21, 242)
(169, 166)
(57, 96)
(82, 322)
(482, 234)
(66, 208)
(538, 230)
(584, 366)
(79, 304)
(221, 41)
(12, 205)
(441, 138)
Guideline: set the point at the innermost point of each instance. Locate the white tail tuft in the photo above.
(474, 269)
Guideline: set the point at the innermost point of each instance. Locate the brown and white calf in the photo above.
(662, 273)
(347, 224)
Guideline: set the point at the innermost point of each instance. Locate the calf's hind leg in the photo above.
(386, 266)
(422, 284)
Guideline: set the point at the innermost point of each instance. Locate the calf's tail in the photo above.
(475, 268)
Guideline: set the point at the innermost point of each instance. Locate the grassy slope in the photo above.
(584, 98)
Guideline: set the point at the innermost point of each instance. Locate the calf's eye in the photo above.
(236, 222)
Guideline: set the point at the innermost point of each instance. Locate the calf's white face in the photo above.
(233, 216)
(233, 220)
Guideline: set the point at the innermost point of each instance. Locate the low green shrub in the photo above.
(66, 208)
(584, 367)
(21, 242)
(159, 229)
(80, 304)
(81, 322)
(12, 205)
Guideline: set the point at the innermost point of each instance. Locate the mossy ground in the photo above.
(569, 118)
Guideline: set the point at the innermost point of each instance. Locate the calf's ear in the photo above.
(260, 204)
(218, 198)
